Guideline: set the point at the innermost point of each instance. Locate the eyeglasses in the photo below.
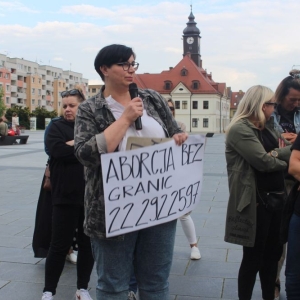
(72, 93)
(126, 65)
(272, 103)
(171, 108)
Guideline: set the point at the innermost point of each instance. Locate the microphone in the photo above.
(133, 91)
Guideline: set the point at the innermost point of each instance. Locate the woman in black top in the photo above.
(292, 271)
(67, 180)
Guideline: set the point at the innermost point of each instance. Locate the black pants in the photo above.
(263, 257)
(65, 219)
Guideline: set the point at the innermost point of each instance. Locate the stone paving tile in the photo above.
(213, 269)
(15, 241)
(16, 255)
(195, 286)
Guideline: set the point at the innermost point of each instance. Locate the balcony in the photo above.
(21, 95)
(13, 88)
(13, 100)
(13, 76)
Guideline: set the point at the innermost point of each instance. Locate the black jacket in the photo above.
(66, 172)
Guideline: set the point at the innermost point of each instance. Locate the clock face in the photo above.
(190, 40)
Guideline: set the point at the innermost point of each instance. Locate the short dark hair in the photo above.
(110, 55)
(284, 86)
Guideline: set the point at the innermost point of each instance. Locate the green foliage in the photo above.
(2, 104)
(23, 114)
(41, 113)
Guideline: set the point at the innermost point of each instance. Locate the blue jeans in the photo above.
(292, 271)
(150, 250)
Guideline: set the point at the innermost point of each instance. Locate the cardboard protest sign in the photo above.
(151, 185)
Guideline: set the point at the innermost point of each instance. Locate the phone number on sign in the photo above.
(157, 207)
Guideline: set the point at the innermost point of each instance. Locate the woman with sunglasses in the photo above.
(67, 194)
(103, 124)
(287, 122)
(187, 222)
(256, 159)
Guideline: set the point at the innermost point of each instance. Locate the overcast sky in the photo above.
(243, 42)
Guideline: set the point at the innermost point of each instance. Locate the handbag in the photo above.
(47, 182)
(288, 210)
(272, 201)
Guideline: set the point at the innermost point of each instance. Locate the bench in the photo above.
(10, 140)
(210, 134)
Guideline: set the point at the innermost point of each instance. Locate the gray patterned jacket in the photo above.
(93, 117)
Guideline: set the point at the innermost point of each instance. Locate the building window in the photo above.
(205, 104)
(177, 104)
(205, 123)
(93, 90)
(32, 101)
(33, 91)
(195, 104)
(7, 76)
(33, 79)
(7, 88)
(183, 72)
(184, 104)
(168, 85)
(195, 123)
(1, 74)
(195, 85)
(39, 102)
(40, 92)
(7, 100)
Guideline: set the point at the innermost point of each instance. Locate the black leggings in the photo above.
(263, 257)
(65, 220)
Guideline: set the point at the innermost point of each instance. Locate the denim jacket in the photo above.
(277, 121)
(93, 117)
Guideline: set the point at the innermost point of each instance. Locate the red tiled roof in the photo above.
(194, 73)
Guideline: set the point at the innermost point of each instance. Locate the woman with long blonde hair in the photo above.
(256, 159)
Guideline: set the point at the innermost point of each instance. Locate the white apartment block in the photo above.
(28, 84)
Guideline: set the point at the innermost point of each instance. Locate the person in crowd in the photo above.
(43, 220)
(186, 220)
(287, 122)
(67, 193)
(15, 122)
(102, 125)
(292, 271)
(3, 129)
(256, 158)
(287, 113)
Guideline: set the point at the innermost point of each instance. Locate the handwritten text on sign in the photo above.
(151, 185)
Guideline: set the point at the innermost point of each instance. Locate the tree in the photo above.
(2, 104)
(41, 113)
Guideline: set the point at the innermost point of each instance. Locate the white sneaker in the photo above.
(195, 253)
(47, 296)
(72, 258)
(131, 296)
(83, 295)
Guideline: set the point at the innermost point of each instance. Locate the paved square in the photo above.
(22, 275)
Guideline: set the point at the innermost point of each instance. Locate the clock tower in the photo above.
(191, 40)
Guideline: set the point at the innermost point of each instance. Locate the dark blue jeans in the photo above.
(150, 250)
(292, 271)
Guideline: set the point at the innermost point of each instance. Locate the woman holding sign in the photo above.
(256, 159)
(103, 124)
